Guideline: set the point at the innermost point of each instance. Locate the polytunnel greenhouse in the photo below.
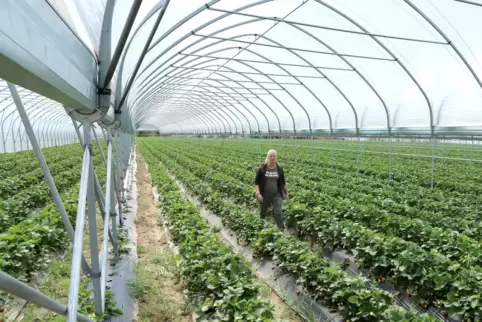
(268, 160)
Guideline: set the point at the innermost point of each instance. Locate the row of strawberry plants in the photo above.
(342, 188)
(394, 199)
(346, 162)
(405, 169)
(449, 243)
(322, 160)
(18, 207)
(425, 274)
(351, 295)
(12, 164)
(27, 247)
(14, 184)
(218, 280)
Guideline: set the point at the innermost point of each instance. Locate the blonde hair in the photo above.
(267, 155)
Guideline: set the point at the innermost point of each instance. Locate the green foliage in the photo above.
(400, 232)
(218, 281)
(28, 242)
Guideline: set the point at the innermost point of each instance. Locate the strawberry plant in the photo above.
(216, 279)
(351, 295)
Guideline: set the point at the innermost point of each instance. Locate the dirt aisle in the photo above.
(156, 285)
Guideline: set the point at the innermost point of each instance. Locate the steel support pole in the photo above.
(94, 253)
(390, 158)
(358, 155)
(99, 146)
(433, 162)
(78, 241)
(22, 290)
(117, 184)
(332, 152)
(98, 188)
(46, 171)
(107, 210)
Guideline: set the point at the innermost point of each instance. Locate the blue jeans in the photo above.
(277, 203)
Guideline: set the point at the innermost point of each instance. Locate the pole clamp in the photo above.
(96, 275)
(104, 91)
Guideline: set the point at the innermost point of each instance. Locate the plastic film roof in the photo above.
(47, 117)
(319, 65)
(249, 66)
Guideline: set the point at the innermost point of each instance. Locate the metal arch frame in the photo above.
(220, 119)
(302, 58)
(139, 96)
(205, 104)
(183, 21)
(269, 77)
(215, 93)
(43, 113)
(215, 43)
(227, 28)
(197, 117)
(230, 95)
(145, 49)
(118, 93)
(387, 50)
(210, 119)
(346, 61)
(218, 115)
(45, 134)
(175, 122)
(447, 39)
(185, 37)
(37, 114)
(187, 120)
(215, 97)
(235, 90)
(224, 112)
(297, 78)
(52, 125)
(365, 32)
(231, 70)
(10, 126)
(249, 89)
(217, 100)
(202, 104)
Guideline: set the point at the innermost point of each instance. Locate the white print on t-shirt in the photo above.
(272, 174)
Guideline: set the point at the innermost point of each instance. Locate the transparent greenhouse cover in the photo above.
(305, 64)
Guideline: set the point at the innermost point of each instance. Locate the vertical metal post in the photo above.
(98, 188)
(96, 272)
(471, 149)
(390, 158)
(433, 162)
(332, 152)
(107, 212)
(358, 155)
(99, 146)
(45, 170)
(79, 234)
(119, 167)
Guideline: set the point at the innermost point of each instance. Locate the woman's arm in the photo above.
(257, 182)
(283, 183)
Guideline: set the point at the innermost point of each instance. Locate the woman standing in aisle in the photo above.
(271, 188)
